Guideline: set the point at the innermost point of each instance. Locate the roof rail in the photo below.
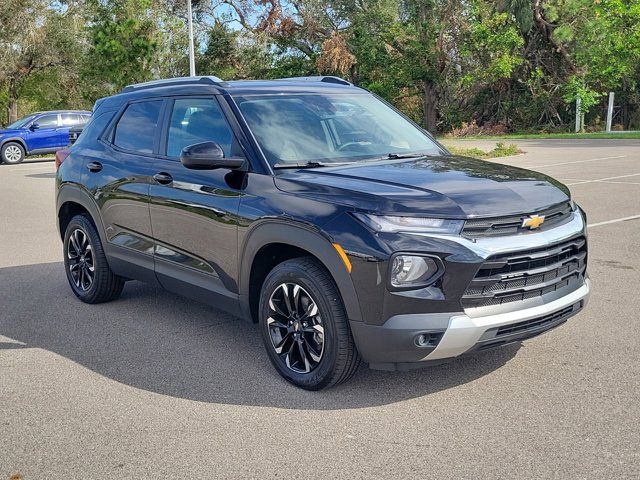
(319, 78)
(166, 82)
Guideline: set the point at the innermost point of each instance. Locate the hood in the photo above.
(11, 132)
(444, 186)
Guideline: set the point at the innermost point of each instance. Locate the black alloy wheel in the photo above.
(295, 327)
(80, 260)
(305, 327)
(86, 266)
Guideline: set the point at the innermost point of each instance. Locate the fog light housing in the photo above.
(409, 271)
(428, 339)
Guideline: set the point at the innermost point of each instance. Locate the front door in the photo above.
(194, 212)
(44, 135)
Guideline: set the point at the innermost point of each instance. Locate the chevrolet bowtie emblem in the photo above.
(533, 222)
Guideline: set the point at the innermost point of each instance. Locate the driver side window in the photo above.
(197, 120)
(47, 121)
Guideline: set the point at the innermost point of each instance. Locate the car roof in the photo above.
(210, 84)
(59, 111)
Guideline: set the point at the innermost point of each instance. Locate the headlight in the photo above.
(413, 271)
(388, 223)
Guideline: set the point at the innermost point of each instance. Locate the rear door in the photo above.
(68, 121)
(44, 133)
(194, 212)
(119, 179)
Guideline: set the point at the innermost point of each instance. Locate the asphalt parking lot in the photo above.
(156, 386)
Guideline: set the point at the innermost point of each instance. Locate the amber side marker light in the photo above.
(61, 155)
(343, 256)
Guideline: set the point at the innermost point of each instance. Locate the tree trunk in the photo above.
(430, 106)
(12, 111)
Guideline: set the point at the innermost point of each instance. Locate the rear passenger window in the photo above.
(137, 126)
(197, 120)
(70, 119)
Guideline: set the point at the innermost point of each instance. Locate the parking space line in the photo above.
(615, 220)
(575, 161)
(620, 183)
(603, 180)
(28, 169)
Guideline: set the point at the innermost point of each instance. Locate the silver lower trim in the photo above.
(464, 332)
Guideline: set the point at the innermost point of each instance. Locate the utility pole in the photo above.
(610, 111)
(192, 58)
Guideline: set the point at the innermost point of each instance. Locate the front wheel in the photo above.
(304, 325)
(12, 153)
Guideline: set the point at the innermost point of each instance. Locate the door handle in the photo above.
(163, 178)
(94, 166)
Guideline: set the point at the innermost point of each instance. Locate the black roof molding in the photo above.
(319, 78)
(168, 82)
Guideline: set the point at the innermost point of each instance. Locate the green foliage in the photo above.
(577, 89)
(123, 39)
(500, 150)
(507, 65)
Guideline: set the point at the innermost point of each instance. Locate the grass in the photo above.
(542, 136)
(500, 150)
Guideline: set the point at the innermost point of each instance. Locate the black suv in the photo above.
(315, 209)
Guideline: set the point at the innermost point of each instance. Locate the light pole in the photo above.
(192, 59)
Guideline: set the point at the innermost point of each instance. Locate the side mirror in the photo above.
(208, 156)
(34, 127)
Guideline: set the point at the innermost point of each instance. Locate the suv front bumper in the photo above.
(394, 345)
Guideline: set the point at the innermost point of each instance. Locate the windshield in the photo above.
(21, 123)
(332, 128)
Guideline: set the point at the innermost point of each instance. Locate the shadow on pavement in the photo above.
(156, 341)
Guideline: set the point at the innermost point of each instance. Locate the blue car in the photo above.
(39, 133)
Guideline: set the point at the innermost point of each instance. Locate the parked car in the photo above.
(318, 211)
(39, 133)
(74, 133)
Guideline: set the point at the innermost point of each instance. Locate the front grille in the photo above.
(511, 225)
(537, 323)
(527, 274)
(517, 332)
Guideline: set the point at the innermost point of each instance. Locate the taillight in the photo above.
(61, 155)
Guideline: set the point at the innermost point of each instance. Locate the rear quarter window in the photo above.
(95, 127)
(136, 128)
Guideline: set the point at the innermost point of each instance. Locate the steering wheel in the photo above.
(351, 144)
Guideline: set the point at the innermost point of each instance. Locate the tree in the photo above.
(36, 41)
(124, 39)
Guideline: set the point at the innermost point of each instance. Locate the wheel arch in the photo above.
(18, 140)
(72, 201)
(272, 242)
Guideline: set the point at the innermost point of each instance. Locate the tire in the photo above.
(324, 337)
(12, 153)
(82, 250)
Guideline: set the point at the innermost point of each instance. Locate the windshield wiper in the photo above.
(310, 165)
(395, 156)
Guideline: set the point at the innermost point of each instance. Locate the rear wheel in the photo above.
(12, 153)
(304, 325)
(88, 272)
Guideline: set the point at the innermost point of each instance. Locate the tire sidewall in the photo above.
(3, 149)
(286, 273)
